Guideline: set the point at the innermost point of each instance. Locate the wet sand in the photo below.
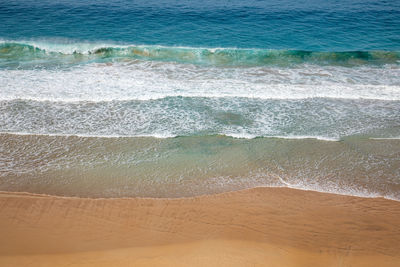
(255, 227)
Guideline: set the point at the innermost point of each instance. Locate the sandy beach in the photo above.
(254, 227)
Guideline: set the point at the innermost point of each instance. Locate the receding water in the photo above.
(189, 166)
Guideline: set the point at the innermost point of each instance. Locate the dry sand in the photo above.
(255, 227)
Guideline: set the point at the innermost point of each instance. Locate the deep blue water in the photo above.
(277, 24)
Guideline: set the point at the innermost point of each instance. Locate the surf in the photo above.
(84, 52)
(192, 116)
(146, 80)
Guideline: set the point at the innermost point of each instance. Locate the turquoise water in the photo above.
(35, 54)
(349, 25)
(301, 77)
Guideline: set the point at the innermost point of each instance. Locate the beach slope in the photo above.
(254, 227)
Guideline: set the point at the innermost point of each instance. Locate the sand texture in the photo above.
(255, 227)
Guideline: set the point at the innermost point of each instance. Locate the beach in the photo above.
(200, 133)
(253, 227)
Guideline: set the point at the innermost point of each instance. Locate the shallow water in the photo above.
(190, 166)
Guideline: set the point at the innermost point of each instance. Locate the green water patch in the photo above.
(12, 53)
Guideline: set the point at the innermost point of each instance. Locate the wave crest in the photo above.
(25, 51)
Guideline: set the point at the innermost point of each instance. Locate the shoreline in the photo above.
(194, 166)
(279, 226)
(31, 194)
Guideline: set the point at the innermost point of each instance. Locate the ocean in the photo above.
(182, 98)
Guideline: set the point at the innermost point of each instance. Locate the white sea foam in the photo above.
(385, 138)
(70, 46)
(167, 99)
(339, 191)
(64, 46)
(166, 135)
(322, 138)
(144, 80)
